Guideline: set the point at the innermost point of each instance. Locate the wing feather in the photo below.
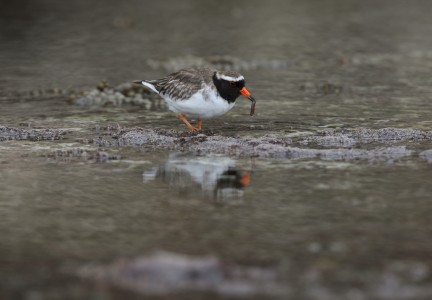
(183, 84)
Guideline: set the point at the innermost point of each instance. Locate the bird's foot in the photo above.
(192, 128)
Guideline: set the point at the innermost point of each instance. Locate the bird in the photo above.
(200, 93)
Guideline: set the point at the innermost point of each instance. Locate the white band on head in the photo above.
(229, 78)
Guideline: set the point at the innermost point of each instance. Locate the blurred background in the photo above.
(353, 227)
(51, 44)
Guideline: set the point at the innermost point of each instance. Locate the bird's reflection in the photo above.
(210, 176)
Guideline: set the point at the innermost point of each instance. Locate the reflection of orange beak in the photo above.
(246, 93)
(245, 180)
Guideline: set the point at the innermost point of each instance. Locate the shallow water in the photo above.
(327, 229)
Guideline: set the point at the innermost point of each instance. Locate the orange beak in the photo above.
(246, 93)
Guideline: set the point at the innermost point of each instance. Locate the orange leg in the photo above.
(199, 124)
(183, 118)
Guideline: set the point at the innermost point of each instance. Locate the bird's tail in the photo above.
(148, 84)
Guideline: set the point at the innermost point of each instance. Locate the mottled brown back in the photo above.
(183, 84)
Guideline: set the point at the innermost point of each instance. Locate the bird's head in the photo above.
(231, 85)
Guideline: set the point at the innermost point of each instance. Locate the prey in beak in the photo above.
(246, 93)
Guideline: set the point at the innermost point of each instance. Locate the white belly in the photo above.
(200, 105)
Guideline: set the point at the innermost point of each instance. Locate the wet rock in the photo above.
(267, 146)
(46, 92)
(165, 273)
(80, 153)
(123, 94)
(339, 140)
(427, 155)
(8, 133)
(365, 135)
(347, 138)
(158, 138)
(382, 153)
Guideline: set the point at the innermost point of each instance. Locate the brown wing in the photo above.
(184, 83)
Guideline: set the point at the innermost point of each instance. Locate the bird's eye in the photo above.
(232, 83)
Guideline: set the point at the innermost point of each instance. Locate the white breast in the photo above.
(205, 103)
